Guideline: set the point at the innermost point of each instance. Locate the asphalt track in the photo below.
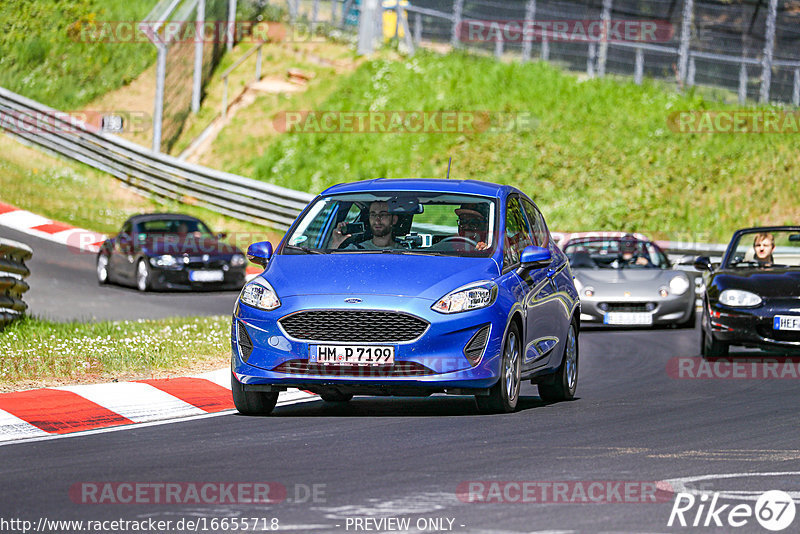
(64, 287)
(633, 422)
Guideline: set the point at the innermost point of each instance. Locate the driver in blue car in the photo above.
(473, 223)
(381, 222)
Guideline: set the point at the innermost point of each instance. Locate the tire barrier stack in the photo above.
(12, 284)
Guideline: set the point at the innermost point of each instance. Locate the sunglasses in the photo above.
(471, 224)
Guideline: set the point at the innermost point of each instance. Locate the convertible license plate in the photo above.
(206, 276)
(786, 322)
(351, 354)
(628, 318)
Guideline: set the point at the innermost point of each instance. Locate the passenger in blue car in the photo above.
(473, 223)
(381, 222)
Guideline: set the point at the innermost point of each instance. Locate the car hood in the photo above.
(776, 282)
(177, 245)
(627, 277)
(428, 277)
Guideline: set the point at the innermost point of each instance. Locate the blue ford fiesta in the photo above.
(409, 287)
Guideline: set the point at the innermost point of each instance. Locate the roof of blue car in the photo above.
(438, 185)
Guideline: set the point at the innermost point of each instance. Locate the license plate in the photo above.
(786, 322)
(351, 354)
(206, 276)
(628, 318)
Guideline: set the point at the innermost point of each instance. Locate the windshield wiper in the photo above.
(305, 249)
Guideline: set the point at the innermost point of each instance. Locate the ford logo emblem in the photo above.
(352, 301)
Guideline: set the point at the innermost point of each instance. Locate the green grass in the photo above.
(34, 349)
(43, 57)
(76, 194)
(601, 155)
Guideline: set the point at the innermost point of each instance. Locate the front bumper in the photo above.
(672, 309)
(753, 327)
(233, 278)
(433, 362)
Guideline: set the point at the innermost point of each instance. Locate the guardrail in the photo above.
(12, 271)
(149, 173)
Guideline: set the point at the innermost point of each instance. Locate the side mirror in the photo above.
(260, 253)
(702, 263)
(535, 258)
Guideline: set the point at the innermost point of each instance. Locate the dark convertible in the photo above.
(753, 297)
(170, 251)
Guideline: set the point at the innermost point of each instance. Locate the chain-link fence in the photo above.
(749, 47)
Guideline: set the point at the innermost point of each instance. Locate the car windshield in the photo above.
(761, 249)
(397, 222)
(615, 254)
(173, 226)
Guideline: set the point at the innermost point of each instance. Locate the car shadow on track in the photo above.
(399, 407)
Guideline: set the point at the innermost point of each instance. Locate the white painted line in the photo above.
(14, 428)
(23, 220)
(44, 436)
(221, 377)
(138, 402)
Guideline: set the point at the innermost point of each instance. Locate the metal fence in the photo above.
(749, 47)
(13, 270)
(149, 173)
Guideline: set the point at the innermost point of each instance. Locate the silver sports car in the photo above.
(627, 281)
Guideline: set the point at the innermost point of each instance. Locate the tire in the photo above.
(143, 282)
(102, 269)
(252, 402)
(336, 396)
(711, 348)
(565, 380)
(504, 395)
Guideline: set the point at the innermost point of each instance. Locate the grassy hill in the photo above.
(600, 155)
(43, 57)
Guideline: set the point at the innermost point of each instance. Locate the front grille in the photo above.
(627, 306)
(245, 344)
(399, 369)
(475, 347)
(353, 326)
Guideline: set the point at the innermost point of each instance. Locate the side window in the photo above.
(127, 228)
(517, 233)
(537, 222)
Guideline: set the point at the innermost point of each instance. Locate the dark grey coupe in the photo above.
(170, 251)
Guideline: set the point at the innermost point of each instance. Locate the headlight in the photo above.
(167, 260)
(466, 298)
(679, 284)
(260, 295)
(737, 297)
(578, 285)
(237, 260)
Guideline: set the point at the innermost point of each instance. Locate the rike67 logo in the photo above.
(774, 510)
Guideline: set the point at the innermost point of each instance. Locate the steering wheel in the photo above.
(459, 238)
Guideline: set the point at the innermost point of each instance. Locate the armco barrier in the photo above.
(154, 174)
(147, 172)
(12, 271)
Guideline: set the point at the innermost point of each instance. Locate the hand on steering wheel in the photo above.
(461, 239)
